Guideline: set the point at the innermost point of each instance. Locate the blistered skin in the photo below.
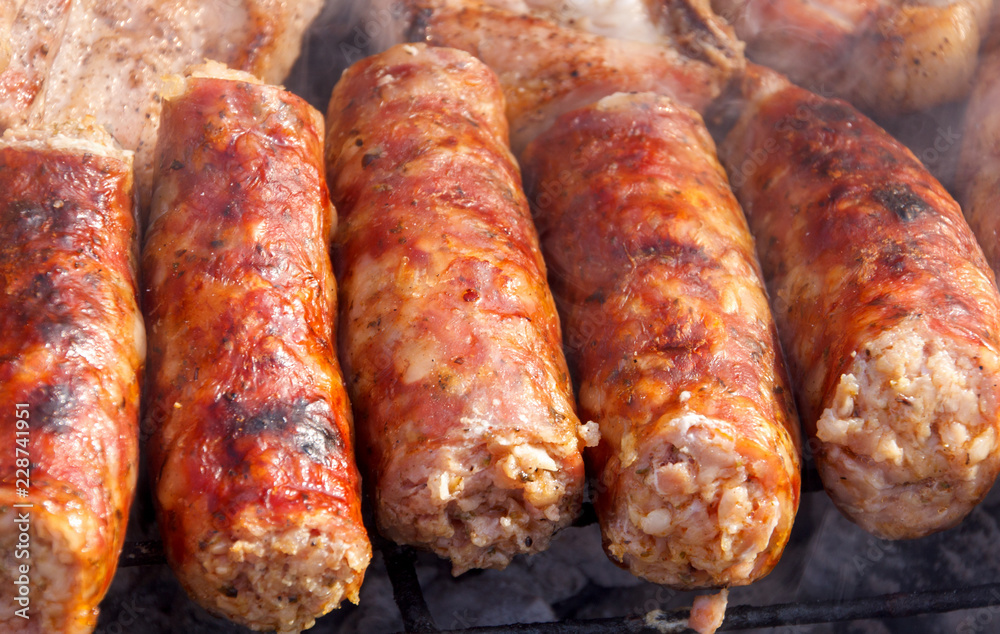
(979, 165)
(672, 340)
(251, 440)
(885, 56)
(449, 334)
(71, 357)
(546, 69)
(887, 309)
(106, 58)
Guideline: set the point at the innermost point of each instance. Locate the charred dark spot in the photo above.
(835, 112)
(215, 244)
(306, 426)
(471, 295)
(902, 201)
(370, 157)
(316, 437)
(231, 592)
(359, 142)
(272, 419)
(42, 286)
(55, 407)
(895, 258)
(28, 219)
(176, 165)
(597, 297)
(58, 330)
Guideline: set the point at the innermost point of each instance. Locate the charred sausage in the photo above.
(670, 334)
(449, 334)
(71, 357)
(251, 441)
(886, 307)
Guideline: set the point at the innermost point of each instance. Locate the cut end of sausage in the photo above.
(909, 444)
(278, 580)
(697, 508)
(59, 548)
(481, 508)
(81, 135)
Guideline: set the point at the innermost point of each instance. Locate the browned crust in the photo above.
(246, 400)
(670, 334)
(858, 240)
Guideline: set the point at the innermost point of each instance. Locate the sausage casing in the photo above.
(246, 401)
(979, 164)
(559, 68)
(71, 357)
(449, 334)
(888, 313)
(672, 339)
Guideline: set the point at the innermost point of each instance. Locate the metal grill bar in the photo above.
(417, 619)
(406, 587)
(416, 616)
(887, 606)
(742, 617)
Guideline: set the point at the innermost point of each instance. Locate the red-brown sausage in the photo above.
(450, 338)
(886, 307)
(673, 342)
(251, 447)
(547, 69)
(979, 165)
(71, 355)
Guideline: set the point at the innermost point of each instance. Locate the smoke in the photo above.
(344, 32)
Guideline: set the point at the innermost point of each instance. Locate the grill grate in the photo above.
(416, 616)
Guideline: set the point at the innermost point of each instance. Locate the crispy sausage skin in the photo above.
(979, 163)
(672, 341)
(71, 355)
(887, 310)
(449, 334)
(251, 439)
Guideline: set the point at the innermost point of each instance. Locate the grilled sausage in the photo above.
(673, 342)
(888, 57)
(559, 68)
(71, 357)
(449, 334)
(887, 310)
(979, 163)
(246, 401)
